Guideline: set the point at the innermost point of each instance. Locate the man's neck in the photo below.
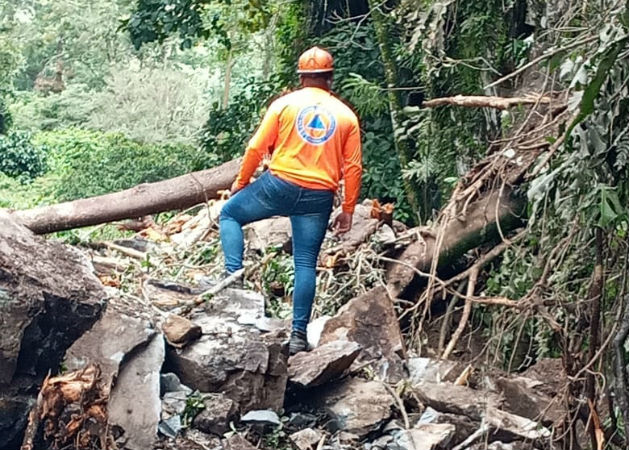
(316, 84)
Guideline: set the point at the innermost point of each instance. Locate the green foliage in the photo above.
(89, 163)
(156, 20)
(194, 404)
(151, 105)
(227, 130)
(19, 158)
(38, 112)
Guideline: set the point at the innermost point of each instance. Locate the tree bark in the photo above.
(149, 198)
(478, 226)
(393, 97)
(227, 80)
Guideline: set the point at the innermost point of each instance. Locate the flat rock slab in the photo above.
(232, 356)
(515, 427)
(261, 417)
(322, 364)
(449, 398)
(370, 321)
(48, 298)
(430, 436)
(110, 340)
(134, 403)
(358, 406)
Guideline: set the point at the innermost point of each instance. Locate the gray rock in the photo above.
(170, 427)
(272, 232)
(381, 443)
(179, 331)
(232, 356)
(314, 330)
(357, 406)
(134, 403)
(322, 364)
(370, 321)
(167, 294)
(13, 417)
(202, 440)
(217, 414)
(515, 427)
(363, 226)
(169, 382)
(464, 426)
(431, 370)
(48, 298)
(173, 403)
(428, 436)
(237, 442)
(521, 397)
(300, 420)
(117, 334)
(261, 416)
(306, 439)
(449, 398)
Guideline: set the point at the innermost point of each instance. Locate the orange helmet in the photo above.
(315, 60)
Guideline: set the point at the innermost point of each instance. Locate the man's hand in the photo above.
(342, 223)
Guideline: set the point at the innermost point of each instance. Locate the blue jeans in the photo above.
(309, 211)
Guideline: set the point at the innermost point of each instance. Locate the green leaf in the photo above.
(587, 105)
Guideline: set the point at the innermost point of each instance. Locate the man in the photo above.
(314, 140)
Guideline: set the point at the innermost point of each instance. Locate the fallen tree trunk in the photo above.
(479, 225)
(149, 198)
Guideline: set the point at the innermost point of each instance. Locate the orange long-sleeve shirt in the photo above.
(314, 140)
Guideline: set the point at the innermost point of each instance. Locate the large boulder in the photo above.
(449, 398)
(357, 406)
(370, 321)
(233, 356)
(48, 298)
(129, 352)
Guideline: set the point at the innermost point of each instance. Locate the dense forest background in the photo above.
(100, 96)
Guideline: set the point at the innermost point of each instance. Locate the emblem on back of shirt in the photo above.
(315, 124)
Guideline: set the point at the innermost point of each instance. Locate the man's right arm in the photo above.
(259, 145)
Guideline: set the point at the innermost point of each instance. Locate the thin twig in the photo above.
(541, 58)
(472, 280)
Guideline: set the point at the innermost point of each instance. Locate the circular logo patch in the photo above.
(315, 124)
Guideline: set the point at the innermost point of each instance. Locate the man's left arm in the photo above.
(352, 170)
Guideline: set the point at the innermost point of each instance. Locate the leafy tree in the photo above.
(19, 158)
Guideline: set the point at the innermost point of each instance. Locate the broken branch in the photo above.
(484, 101)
